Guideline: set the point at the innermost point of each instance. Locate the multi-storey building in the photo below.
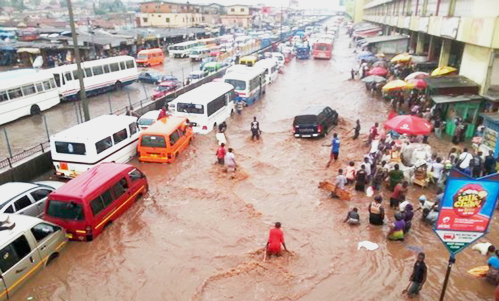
(460, 33)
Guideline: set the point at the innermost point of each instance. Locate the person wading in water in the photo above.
(276, 238)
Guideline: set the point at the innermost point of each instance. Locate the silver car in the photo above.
(26, 198)
(27, 244)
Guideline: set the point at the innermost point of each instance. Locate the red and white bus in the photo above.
(323, 49)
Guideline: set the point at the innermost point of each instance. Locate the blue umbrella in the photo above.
(364, 54)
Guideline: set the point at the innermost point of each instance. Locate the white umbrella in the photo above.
(417, 75)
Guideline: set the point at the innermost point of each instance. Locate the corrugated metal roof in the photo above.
(381, 39)
(441, 99)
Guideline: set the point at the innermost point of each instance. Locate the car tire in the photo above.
(51, 258)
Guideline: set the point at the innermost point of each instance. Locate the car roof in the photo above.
(313, 110)
(10, 190)
(22, 224)
(88, 182)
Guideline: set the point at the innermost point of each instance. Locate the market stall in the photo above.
(489, 142)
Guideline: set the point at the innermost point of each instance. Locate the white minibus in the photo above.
(249, 85)
(271, 68)
(182, 49)
(206, 106)
(99, 76)
(107, 138)
(26, 92)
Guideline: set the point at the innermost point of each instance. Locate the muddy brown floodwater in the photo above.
(199, 235)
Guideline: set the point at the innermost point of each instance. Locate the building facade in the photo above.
(236, 16)
(458, 33)
(169, 19)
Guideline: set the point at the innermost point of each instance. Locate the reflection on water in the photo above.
(199, 235)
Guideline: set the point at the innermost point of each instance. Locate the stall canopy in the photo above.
(443, 99)
(382, 39)
(451, 85)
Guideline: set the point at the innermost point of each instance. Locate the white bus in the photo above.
(249, 85)
(227, 39)
(99, 76)
(26, 92)
(207, 42)
(271, 69)
(182, 49)
(206, 106)
(107, 138)
(199, 53)
(243, 41)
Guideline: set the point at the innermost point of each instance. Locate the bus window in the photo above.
(174, 138)
(153, 141)
(15, 93)
(115, 67)
(130, 64)
(52, 83)
(70, 148)
(88, 72)
(29, 89)
(3, 96)
(97, 70)
(39, 87)
(75, 74)
(120, 136)
(122, 66)
(68, 76)
(46, 85)
(57, 80)
(133, 128)
(103, 144)
(106, 69)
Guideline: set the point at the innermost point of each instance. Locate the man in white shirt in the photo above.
(464, 160)
(436, 170)
(230, 160)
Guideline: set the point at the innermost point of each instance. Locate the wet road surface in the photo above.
(30, 130)
(199, 235)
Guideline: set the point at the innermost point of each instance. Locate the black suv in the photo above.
(315, 121)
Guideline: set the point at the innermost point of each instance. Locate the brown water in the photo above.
(199, 235)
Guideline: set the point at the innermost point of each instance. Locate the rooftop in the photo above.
(449, 81)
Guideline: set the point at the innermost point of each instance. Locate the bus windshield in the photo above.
(322, 47)
(153, 141)
(190, 108)
(65, 210)
(238, 84)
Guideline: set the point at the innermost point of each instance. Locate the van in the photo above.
(147, 119)
(150, 57)
(89, 203)
(315, 121)
(26, 246)
(164, 140)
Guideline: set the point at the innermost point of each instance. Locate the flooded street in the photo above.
(64, 116)
(199, 235)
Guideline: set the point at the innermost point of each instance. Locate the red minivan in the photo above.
(87, 204)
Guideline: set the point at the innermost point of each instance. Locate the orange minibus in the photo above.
(150, 57)
(89, 203)
(164, 140)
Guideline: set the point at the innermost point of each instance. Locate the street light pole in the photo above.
(83, 94)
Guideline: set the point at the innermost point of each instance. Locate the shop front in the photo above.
(489, 142)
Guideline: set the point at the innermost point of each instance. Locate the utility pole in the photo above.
(281, 22)
(83, 94)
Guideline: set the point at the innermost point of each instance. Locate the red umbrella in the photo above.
(409, 124)
(418, 83)
(378, 71)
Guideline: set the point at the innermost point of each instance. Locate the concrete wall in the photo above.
(475, 63)
(28, 170)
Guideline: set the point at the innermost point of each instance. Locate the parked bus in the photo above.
(206, 106)
(26, 92)
(85, 206)
(323, 49)
(226, 39)
(271, 68)
(107, 138)
(199, 53)
(99, 76)
(150, 57)
(182, 49)
(249, 85)
(163, 141)
(207, 42)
